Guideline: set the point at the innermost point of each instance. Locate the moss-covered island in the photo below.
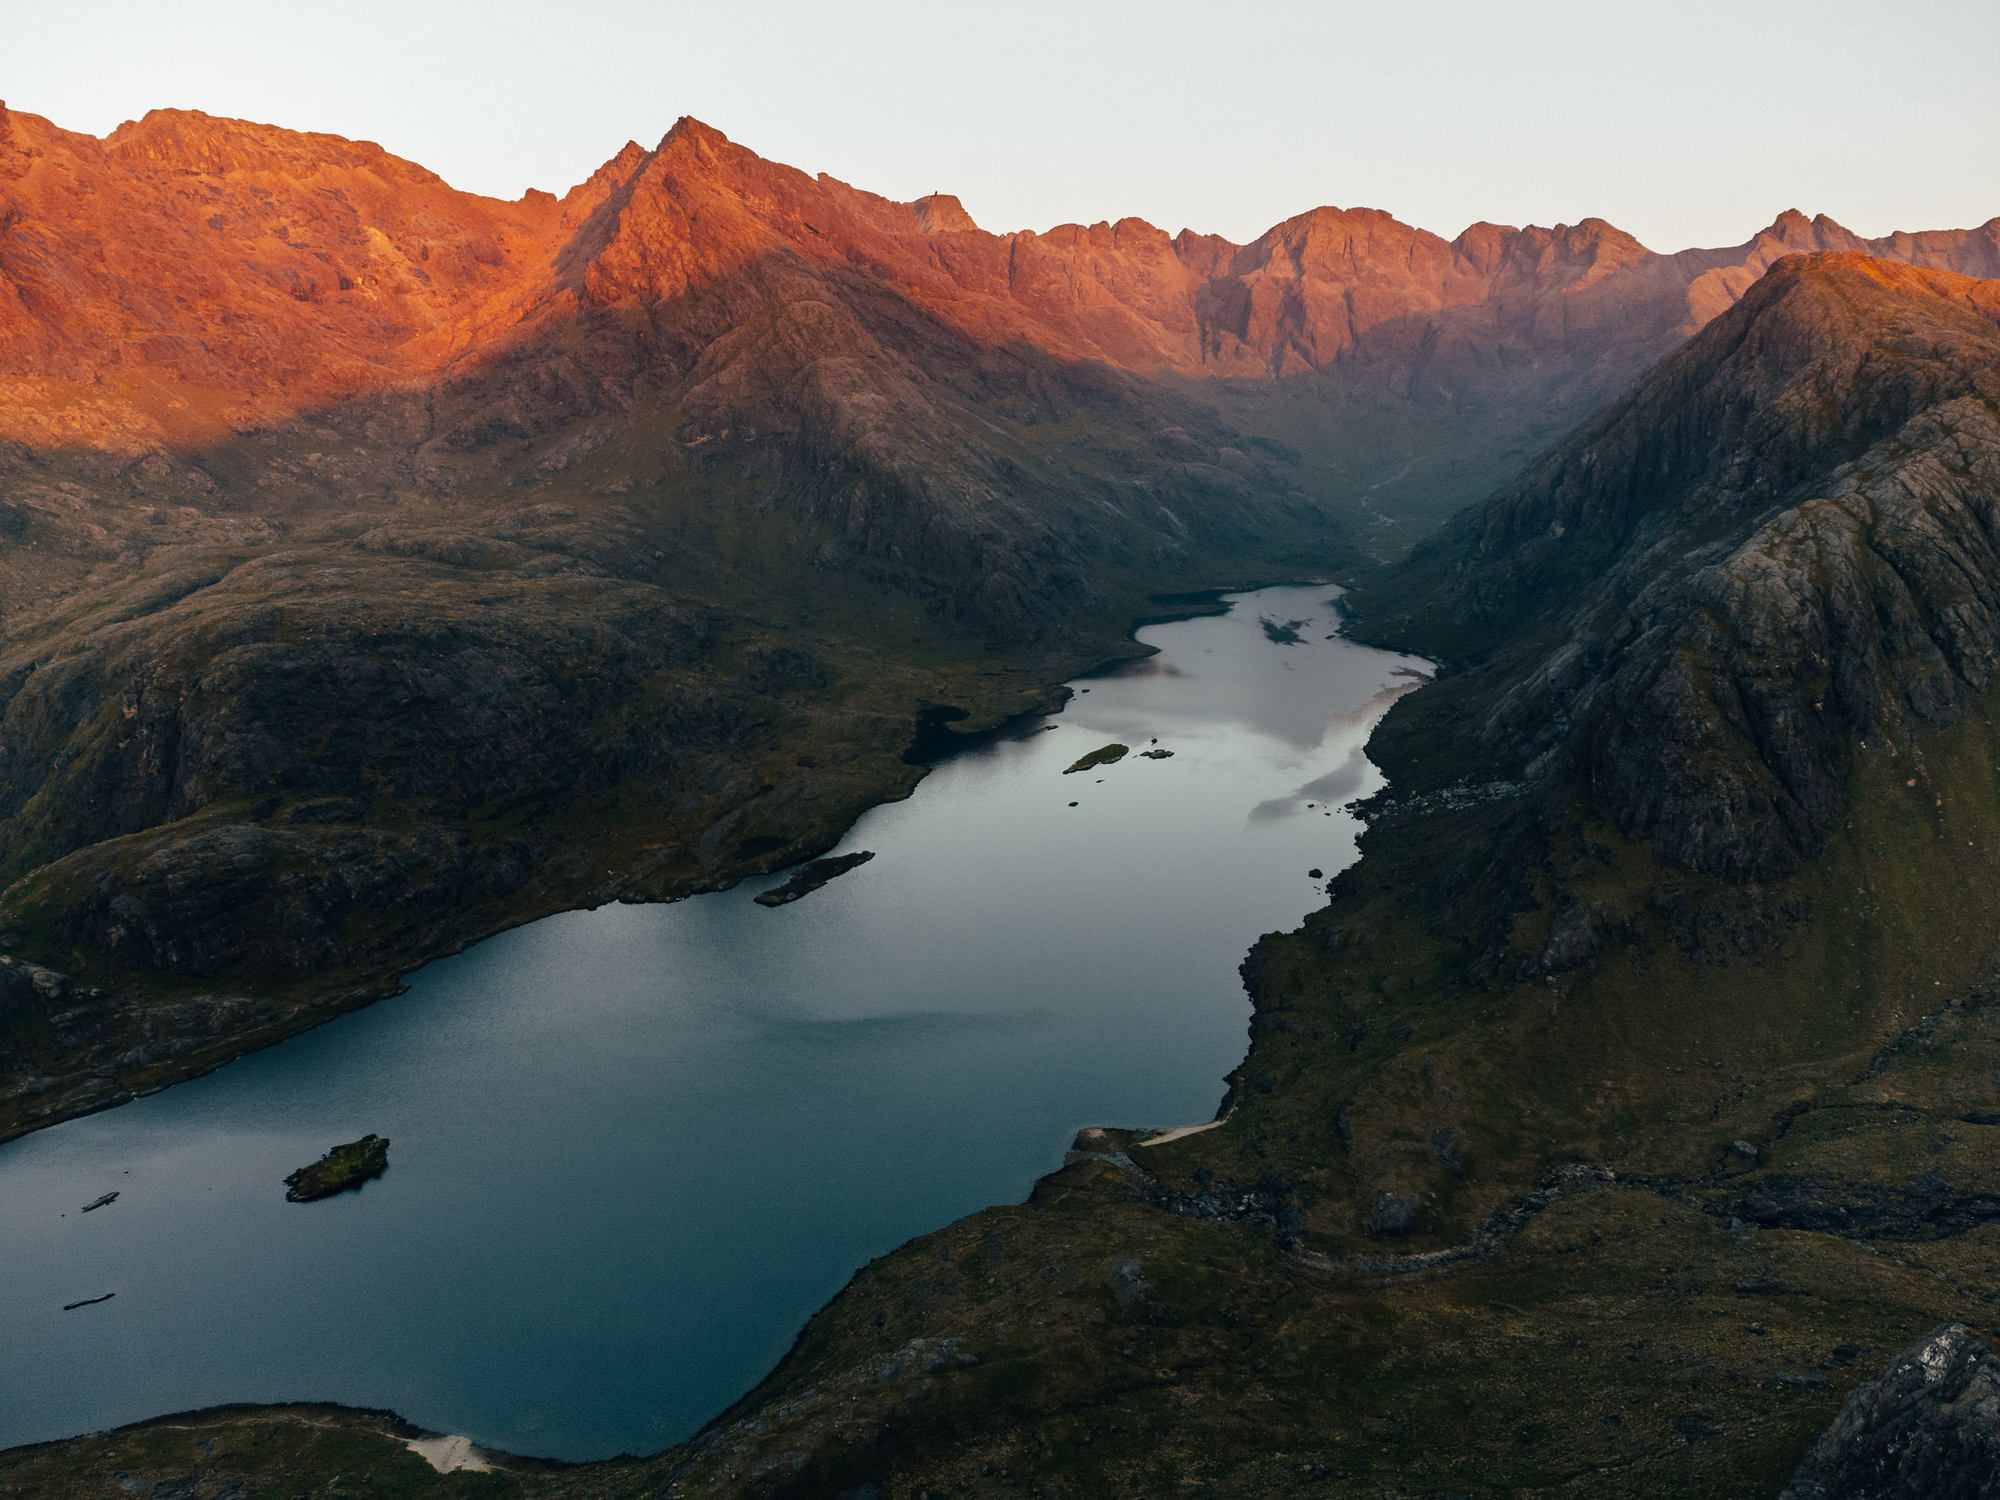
(1104, 755)
(341, 1168)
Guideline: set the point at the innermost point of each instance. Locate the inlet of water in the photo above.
(634, 1148)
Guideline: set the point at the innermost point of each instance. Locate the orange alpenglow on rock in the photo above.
(187, 275)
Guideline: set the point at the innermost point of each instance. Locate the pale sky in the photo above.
(1687, 124)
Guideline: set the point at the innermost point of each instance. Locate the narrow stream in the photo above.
(634, 1148)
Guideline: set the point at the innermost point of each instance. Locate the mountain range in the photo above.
(188, 277)
(381, 565)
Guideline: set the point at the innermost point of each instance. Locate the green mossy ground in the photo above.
(272, 1453)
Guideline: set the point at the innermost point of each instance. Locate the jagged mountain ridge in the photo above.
(889, 372)
(117, 251)
(282, 403)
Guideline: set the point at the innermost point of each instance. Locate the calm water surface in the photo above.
(635, 1148)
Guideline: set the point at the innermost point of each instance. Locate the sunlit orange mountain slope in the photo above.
(186, 273)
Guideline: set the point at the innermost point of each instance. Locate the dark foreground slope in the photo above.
(1593, 1140)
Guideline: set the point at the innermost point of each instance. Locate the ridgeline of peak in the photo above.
(317, 266)
(695, 134)
(941, 213)
(198, 144)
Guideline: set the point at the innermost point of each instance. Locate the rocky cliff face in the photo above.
(1780, 547)
(186, 274)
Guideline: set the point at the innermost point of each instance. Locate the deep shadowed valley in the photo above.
(382, 567)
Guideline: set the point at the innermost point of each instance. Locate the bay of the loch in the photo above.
(634, 1148)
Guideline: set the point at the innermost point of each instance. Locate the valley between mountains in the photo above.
(382, 566)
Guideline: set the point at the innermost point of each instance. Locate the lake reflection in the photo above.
(635, 1148)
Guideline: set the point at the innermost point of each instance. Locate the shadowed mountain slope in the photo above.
(1630, 1101)
(1782, 543)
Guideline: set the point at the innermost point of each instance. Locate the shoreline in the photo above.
(1056, 695)
(307, 1005)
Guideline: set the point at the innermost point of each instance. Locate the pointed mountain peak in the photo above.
(941, 213)
(1793, 232)
(583, 199)
(1789, 227)
(692, 133)
(1601, 241)
(1603, 229)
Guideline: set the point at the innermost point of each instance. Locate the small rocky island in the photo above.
(1104, 756)
(810, 878)
(341, 1168)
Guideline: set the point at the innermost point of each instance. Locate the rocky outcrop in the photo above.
(1927, 1429)
(812, 875)
(1103, 755)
